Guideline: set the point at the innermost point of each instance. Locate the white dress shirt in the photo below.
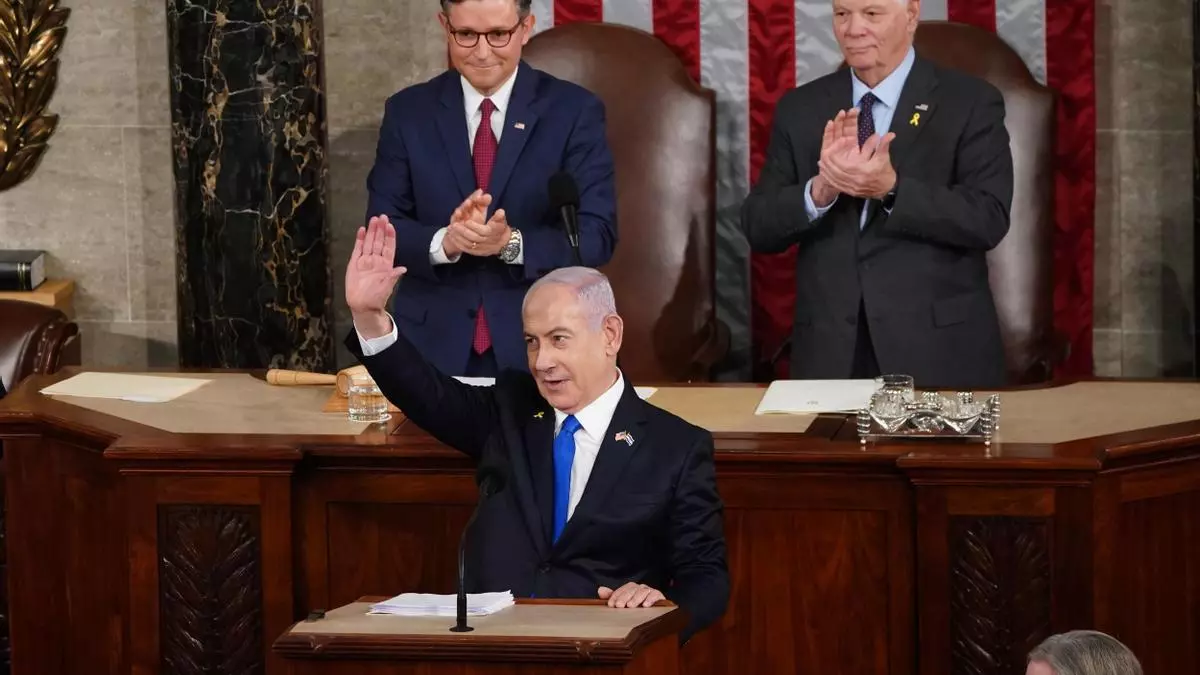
(472, 100)
(593, 420)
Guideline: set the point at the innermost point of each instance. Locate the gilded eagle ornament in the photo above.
(31, 35)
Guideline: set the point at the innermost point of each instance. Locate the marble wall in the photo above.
(102, 201)
(1144, 281)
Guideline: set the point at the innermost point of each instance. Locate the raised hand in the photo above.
(371, 276)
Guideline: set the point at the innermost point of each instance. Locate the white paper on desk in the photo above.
(796, 397)
(138, 388)
(644, 392)
(430, 604)
(476, 381)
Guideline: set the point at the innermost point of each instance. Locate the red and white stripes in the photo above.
(750, 52)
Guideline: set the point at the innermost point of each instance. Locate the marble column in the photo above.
(251, 176)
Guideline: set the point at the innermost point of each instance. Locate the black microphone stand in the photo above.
(485, 491)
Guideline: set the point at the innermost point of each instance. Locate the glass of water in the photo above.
(367, 403)
(900, 384)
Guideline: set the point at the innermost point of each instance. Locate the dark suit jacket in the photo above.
(423, 170)
(650, 512)
(921, 271)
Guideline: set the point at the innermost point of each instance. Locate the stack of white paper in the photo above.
(792, 397)
(430, 604)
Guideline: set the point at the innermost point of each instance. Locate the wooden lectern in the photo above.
(532, 637)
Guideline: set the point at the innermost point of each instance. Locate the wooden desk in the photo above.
(136, 549)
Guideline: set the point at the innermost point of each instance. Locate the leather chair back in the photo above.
(34, 339)
(1021, 268)
(661, 133)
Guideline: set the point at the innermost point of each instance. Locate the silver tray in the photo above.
(894, 414)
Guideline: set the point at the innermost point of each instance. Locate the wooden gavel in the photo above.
(291, 378)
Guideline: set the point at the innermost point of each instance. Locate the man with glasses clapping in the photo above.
(462, 171)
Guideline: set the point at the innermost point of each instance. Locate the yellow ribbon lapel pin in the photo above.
(916, 119)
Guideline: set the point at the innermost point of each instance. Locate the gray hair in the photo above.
(592, 289)
(1086, 652)
(524, 7)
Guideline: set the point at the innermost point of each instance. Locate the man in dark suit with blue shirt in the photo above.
(893, 178)
(605, 494)
(461, 172)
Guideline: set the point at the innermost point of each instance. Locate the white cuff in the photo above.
(814, 211)
(437, 254)
(375, 345)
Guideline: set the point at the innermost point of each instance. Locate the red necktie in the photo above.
(484, 153)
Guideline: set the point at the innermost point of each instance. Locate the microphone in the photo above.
(564, 196)
(490, 482)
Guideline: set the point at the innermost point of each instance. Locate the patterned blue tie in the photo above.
(564, 456)
(866, 117)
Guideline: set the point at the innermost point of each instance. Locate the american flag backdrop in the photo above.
(751, 51)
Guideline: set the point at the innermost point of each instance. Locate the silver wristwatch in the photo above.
(510, 251)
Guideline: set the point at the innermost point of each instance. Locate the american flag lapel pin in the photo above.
(519, 125)
(922, 106)
(624, 436)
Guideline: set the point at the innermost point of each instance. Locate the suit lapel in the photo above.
(519, 122)
(629, 418)
(914, 110)
(539, 456)
(452, 126)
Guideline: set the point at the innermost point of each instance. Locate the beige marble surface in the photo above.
(232, 403)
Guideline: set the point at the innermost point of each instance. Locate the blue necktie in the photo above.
(564, 456)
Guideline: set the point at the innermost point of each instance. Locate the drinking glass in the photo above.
(901, 384)
(367, 403)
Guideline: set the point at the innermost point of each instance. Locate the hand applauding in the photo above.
(468, 233)
(846, 168)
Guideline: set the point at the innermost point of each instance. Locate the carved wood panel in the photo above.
(210, 590)
(999, 592)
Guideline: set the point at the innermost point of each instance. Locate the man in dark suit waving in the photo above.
(462, 172)
(893, 206)
(606, 494)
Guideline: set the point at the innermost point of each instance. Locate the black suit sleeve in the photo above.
(699, 571)
(460, 415)
(774, 213)
(973, 213)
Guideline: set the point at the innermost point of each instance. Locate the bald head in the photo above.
(591, 289)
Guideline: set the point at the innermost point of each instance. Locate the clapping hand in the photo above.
(468, 233)
(371, 276)
(847, 168)
(467, 229)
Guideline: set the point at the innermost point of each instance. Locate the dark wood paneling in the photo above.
(1157, 596)
(999, 592)
(386, 549)
(210, 605)
(67, 565)
(5, 655)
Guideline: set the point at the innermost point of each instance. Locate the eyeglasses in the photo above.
(495, 38)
